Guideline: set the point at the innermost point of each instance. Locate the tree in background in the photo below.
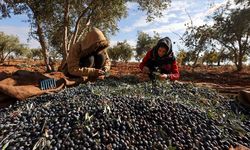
(197, 39)
(61, 23)
(113, 54)
(243, 2)
(210, 57)
(39, 14)
(126, 51)
(10, 44)
(191, 57)
(121, 51)
(182, 57)
(231, 30)
(144, 43)
(79, 17)
(35, 53)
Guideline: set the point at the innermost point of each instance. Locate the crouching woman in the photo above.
(162, 60)
(88, 58)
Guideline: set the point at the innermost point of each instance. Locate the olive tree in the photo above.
(61, 23)
(144, 43)
(121, 51)
(231, 30)
(10, 44)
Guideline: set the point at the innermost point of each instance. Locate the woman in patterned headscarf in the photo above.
(161, 59)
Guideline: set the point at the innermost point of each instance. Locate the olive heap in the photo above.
(117, 114)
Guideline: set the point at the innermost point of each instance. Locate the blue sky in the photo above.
(173, 20)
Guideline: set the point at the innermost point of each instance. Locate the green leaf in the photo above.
(5, 145)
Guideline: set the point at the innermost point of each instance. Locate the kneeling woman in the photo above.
(161, 58)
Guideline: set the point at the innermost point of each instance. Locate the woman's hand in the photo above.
(164, 76)
(100, 72)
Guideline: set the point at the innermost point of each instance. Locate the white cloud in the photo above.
(180, 5)
(214, 8)
(127, 29)
(131, 5)
(139, 23)
(198, 19)
(21, 33)
(173, 11)
(182, 18)
(166, 18)
(113, 42)
(166, 28)
(33, 44)
(130, 42)
(217, 6)
(173, 20)
(13, 30)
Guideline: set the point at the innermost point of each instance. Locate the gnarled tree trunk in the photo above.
(65, 34)
(44, 46)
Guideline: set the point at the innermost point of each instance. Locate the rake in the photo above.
(48, 84)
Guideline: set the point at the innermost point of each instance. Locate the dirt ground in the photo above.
(222, 78)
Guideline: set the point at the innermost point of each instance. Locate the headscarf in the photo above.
(168, 56)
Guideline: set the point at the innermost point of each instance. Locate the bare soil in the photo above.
(223, 78)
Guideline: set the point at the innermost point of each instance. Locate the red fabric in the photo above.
(145, 59)
(175, 75)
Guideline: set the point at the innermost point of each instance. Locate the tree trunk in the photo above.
(44, 45)
(240, 59)
(77, 27)
(2, 56)
(74, 38)
(218, 62)
(65, 34)
(219, 59)
(5, 57)
(240, 56)
(239, 66)
(196, 59)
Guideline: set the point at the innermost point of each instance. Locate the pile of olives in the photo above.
(115, 114)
